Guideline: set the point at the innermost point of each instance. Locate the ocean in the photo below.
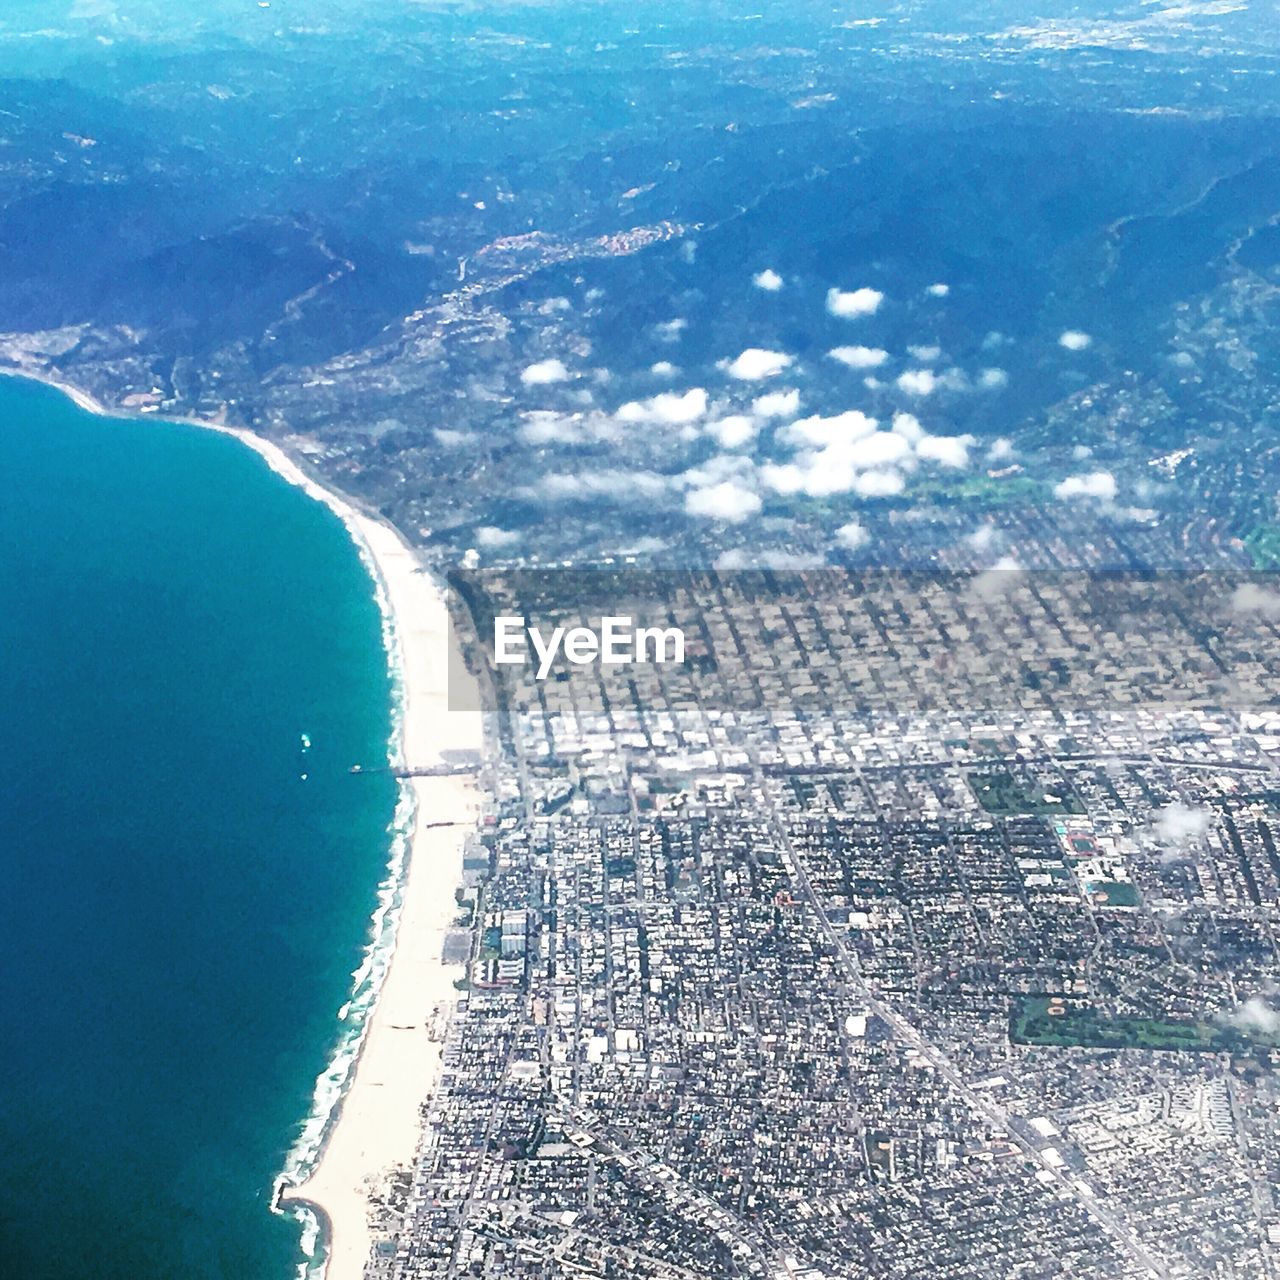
(187, 885)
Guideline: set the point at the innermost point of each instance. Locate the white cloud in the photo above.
(776, 404)
(844, 453)
(1137, 515)
(1178, 823)
(818, 480)
(727, 501)
(917, 382)
(856, 302)
(491, 537)
(645, 546)
(925, 354)
(545, 426)
(1255, 1014)
(938, 290)
(819, 432)
(947, 451)
(768, 280)
(879, 484)
(451, 438)
(993, 379)
(1249, 597)
(733, 432)
(824, 479)
(755, 363)
(668, 408)
(1074, 340)
(721, 466)
(670, 330)
(783, 477)
(876, 449)
(999, 580)
(792, 561)
(1095, 484)
(812, 476)
(907, 425)
(544, 372)
(1081, 451)
(770, 558)
(879, 449)
(619, 486)
(853, 535)
(1001, 449)
(983, 538)
(859, 357)
(664, 369)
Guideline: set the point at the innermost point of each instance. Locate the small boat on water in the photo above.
(306, 742)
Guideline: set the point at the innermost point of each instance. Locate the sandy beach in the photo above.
(378, 1122)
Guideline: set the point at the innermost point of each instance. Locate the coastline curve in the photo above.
(365, 1118)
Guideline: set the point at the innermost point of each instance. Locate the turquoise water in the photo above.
(181, 912)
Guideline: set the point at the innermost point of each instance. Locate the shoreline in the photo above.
(373, 1118)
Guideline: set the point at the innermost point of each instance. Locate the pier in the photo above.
(445, 769)
(448, 769)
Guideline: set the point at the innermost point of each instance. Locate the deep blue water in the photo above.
(180, 912)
